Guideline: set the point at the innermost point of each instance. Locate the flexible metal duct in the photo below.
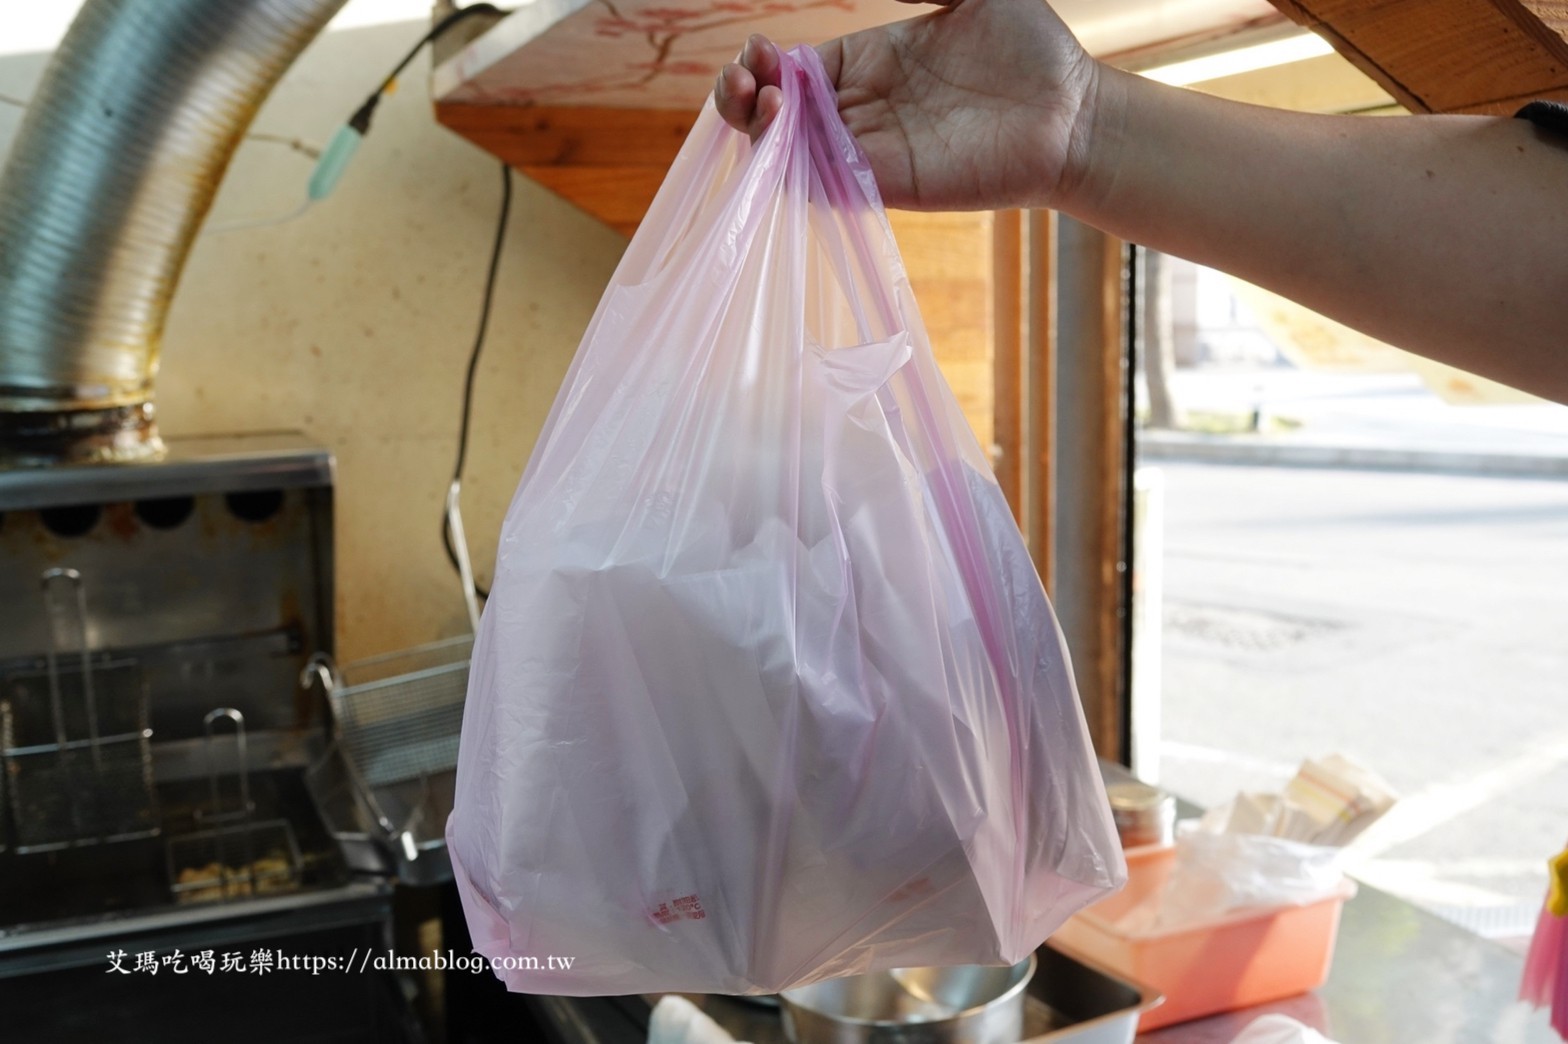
(111, 175)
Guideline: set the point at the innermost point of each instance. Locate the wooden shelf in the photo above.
(610, 162)
(593, 98)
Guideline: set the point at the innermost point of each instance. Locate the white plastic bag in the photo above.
(1217, 872)
(676, 1020)
(1279, 1029)
(767, 690)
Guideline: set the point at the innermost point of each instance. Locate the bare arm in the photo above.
(1447, 236)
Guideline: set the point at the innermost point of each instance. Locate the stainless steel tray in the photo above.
(1074, 1000)
(1069, 999)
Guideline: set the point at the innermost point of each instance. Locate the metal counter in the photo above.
(1400, 976)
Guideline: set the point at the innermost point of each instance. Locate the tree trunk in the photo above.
(1159, 341)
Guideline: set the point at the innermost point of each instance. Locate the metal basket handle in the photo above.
(217, 815)
(243, 813)
(65, 608)
(321, 668)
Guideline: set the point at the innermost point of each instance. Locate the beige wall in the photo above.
(353, 322)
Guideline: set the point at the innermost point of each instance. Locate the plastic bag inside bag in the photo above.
(767, 690)
(1217, 872)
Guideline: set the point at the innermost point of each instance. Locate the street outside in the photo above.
(1415, 620)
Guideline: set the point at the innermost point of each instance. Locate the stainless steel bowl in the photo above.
(966, 1004)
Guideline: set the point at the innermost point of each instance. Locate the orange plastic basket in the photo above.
(1233, 962)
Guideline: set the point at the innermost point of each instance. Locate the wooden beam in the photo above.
(1544, 22)
(949, 258)
(1108, 725)
(1298, 12)
(1009, 320)
(1090, 480)
(1447, 55)
(1039, 427)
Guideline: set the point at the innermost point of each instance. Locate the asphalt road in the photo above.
(1417, 622)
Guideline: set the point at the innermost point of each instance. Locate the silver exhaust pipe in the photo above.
(115, 166)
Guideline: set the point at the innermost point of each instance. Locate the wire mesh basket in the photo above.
(398, 720)
(74, 739)
(238, 856)
(400, 715)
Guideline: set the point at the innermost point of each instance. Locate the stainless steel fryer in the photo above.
(208, 583)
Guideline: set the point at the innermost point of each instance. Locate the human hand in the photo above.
(980, 104)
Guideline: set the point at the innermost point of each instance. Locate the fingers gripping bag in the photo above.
(767, 690)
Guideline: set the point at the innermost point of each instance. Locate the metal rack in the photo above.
(239, 855)
(74, 741)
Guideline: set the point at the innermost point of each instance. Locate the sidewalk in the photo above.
(1378, 421)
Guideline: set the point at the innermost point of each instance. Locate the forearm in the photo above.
(1447, 236)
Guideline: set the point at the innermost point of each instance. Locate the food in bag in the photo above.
(767, 690)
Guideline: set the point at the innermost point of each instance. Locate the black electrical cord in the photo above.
(360, 121)
(473, 359)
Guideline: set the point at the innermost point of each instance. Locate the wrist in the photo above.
(1089, 165)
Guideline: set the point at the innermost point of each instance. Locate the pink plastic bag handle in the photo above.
(811, 108)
